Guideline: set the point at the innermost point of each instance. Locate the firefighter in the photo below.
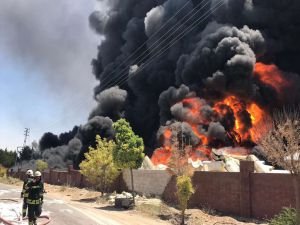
(24, 194)
(35, 190)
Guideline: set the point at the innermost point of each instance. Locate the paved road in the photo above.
(58, 210)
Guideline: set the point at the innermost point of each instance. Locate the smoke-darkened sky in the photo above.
(46, 80)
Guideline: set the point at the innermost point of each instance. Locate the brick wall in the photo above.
(69, 177)
(271, 192)
(148, 182)
(245, 193)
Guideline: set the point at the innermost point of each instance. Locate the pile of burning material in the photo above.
(225, 159)
(228, 160)
(148, 165)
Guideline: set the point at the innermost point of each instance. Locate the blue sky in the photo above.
(46, 83)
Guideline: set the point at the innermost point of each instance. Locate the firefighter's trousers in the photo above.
(34, 211)
(24, 207)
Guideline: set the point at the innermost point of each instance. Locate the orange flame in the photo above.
(200, 153)
(238, 133)
(202, 137)
(161, 156)
(271, 75)
(257, 118)
(236, 106)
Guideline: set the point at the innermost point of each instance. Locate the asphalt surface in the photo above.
(59, 212)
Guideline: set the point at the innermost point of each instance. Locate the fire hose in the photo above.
(2, 220)
(224, 223)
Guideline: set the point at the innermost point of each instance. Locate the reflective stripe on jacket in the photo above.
(34, 201)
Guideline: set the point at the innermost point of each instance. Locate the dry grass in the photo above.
(10, 180)
(3, 171)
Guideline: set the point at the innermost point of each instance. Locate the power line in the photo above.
(162, 40)
(145, 43)
(153, 45)
(121, 79)
(163, 50)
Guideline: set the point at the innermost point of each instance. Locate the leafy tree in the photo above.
(129, 148)
(184, 192)
(26, 153)
(98, 166)
(281, 144)
(178, 165)
(41, 165)
(7, 158)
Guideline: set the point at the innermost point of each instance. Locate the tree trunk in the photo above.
(182, 217)
(296, 181)
(132, 186)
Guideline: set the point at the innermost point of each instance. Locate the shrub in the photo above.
(184, 192)
(2, 171)
(286, 217)
(41, 165)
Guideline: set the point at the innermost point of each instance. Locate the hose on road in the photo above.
(41, 217)
(2, 220)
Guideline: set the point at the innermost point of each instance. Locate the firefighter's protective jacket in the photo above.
(24, 193)
(35, 191)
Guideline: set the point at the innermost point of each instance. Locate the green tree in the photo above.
(184, 192)
(41, 165)
(7, 158)
(26, 153)
(178, 165)
(129, 148)
(98, 166)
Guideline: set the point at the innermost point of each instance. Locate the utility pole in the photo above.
(26, 134)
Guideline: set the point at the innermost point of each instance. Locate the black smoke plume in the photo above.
(213, 60)
(155, 70)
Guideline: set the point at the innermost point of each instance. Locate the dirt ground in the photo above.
(146, 210)
(147, 207)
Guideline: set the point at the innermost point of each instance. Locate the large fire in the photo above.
(239, 117)
(271, 76)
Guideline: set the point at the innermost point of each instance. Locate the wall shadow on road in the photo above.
(111, 208)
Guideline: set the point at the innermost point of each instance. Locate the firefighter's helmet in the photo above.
(29, 173)
(37, 174)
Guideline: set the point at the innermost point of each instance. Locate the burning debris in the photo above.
(216, 79)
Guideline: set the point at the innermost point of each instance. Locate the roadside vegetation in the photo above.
(179, 167)
(286, 217)
(3, 171)
(41, 165)
(281, 146)
(7, 158)
(98, 166)
(128, 151)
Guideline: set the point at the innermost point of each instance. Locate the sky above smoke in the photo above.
(46, 79)
(160, 63)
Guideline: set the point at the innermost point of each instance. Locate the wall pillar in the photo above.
(19, 173)
(246, 168)
(50, 176)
